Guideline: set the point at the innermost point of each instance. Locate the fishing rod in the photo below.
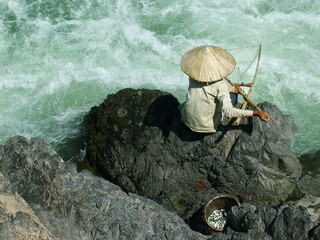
(244, 105)
(245, 96)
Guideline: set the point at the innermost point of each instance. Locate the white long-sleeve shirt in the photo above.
(206, 104)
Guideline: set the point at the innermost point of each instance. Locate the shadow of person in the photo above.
(161, 113)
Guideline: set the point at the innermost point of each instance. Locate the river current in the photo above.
(59, 58)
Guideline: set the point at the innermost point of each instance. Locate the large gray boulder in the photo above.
(42, 197)
(137, 140)
(17, 219)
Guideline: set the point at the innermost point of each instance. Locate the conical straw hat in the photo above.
(207, 63)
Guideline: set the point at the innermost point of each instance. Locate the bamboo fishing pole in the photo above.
(244, 105)
(245, 96)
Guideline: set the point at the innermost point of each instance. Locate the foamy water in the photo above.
(60, 58)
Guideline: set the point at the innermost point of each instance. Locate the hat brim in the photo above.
(207, 63)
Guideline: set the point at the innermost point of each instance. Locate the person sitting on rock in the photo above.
(208, 98)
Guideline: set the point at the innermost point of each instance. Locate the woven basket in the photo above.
(222, 203)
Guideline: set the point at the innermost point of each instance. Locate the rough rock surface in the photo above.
(293, 220)
(137, 140)
(42, 197)
(17, 219)
(310, 178)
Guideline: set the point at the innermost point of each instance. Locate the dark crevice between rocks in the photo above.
(308, 183)
(198, 223)
(73, 149)
(314, 233)
(310, 164)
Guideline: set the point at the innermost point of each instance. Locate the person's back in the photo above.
(206, 104)
(208, 96)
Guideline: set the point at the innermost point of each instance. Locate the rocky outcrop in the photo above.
(293, 220)
(42, 197)
(137, 140)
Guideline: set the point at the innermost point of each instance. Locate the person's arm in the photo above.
(264, 116)
(230, 111)
(223, 96)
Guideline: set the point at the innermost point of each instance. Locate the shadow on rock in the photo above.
(137, 140)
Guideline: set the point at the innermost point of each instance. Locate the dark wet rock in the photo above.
(310, 163)
(137, 140)
(310, 178)
(42, 197)
(293, 220)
